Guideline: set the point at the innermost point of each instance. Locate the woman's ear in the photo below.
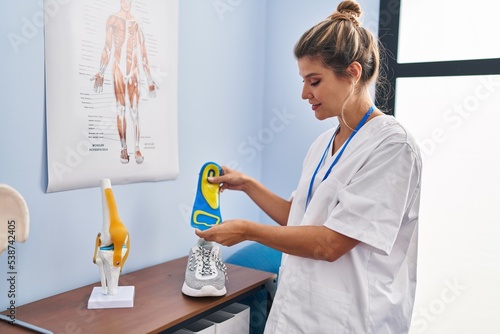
(355, 70)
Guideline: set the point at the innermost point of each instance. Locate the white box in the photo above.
(223, 321)
(199, 327)
(241, 317)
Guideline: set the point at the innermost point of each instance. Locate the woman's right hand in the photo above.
(274, 206)
(230, 179)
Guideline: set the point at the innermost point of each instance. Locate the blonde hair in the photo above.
(340, 40)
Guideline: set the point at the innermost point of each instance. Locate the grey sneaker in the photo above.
(206, 274)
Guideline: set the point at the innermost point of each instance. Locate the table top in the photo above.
(158, 304)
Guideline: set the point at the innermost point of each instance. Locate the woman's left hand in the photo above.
(229, 233)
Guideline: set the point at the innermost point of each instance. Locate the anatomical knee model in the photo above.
(112, 243)
(14, 218)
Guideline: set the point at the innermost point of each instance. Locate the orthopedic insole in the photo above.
(206, 208)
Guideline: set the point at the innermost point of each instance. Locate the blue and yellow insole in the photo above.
(206, 208)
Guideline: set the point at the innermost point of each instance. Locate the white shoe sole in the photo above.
(206, 291)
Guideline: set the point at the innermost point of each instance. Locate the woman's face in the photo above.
(325, 91)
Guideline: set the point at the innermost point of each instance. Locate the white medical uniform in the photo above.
(372, 194)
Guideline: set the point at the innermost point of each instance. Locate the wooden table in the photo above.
(159, 305)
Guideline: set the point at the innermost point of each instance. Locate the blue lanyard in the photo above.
(360, 124)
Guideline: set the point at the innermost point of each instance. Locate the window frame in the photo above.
(388, 32)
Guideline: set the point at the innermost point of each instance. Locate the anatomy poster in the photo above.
(111, 91)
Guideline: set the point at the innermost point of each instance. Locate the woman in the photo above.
(349, 235)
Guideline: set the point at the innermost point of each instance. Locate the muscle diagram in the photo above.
(125, 49)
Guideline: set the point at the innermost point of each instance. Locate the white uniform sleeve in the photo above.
(372, 205)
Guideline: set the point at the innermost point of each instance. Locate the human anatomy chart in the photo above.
(111, 92)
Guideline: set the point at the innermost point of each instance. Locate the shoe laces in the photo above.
(206, 256)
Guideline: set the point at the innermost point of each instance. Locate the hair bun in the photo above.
(350, 10)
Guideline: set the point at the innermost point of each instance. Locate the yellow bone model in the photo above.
(113, 231)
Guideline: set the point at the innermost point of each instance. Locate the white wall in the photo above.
(239, 105)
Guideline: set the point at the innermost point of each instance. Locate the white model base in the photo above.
(123, 298)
